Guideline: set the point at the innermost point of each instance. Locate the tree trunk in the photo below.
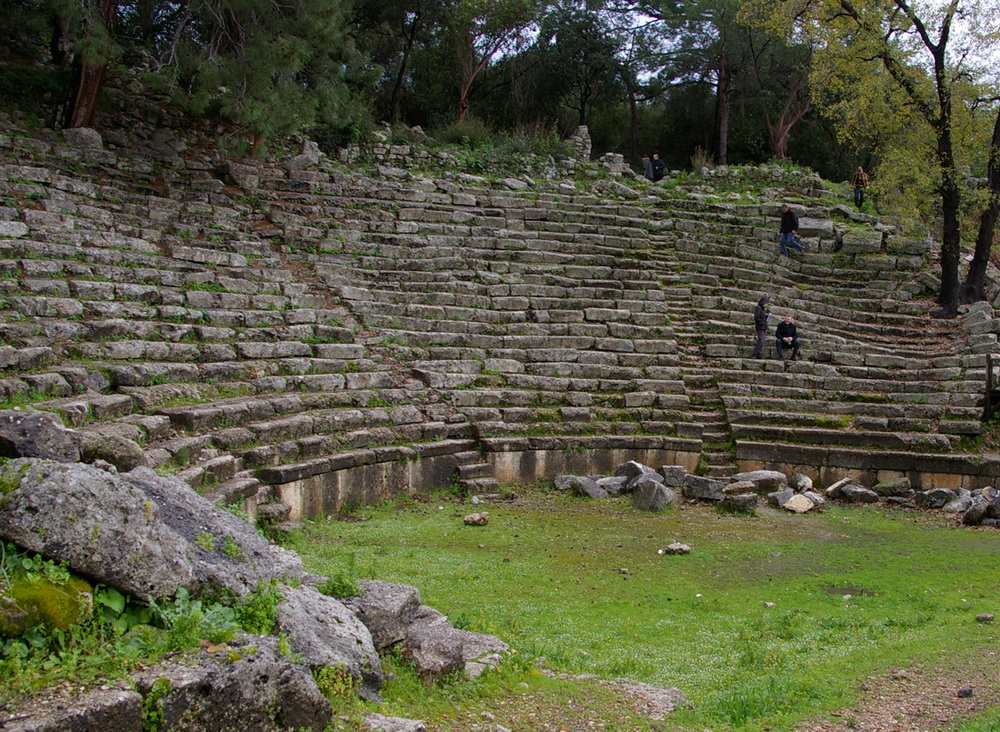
(395, 100)
(722, 107)
(950, 243)
(974, 288)
(88, 76)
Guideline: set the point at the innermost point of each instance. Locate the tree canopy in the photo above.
(907, 88)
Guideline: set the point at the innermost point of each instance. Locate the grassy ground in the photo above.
(770, 620)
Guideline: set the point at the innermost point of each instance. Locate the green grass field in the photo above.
(768, 621)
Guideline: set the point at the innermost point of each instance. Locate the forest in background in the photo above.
(909, 91)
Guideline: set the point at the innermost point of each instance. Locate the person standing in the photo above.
(659, 168)
(789, 228)
(859, 182)
(760, 318)
(647, 168)
(786, 337)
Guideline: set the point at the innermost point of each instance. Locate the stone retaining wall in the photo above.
(827, 465)
(523, 460)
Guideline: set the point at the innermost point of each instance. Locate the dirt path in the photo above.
(919, 699)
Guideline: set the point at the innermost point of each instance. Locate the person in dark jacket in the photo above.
(789, 228)
(647, 168)
(659, 168)
(760, 318)
(786, 337)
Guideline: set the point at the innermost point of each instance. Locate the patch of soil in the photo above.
(921, 700)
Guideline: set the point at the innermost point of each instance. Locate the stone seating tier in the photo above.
(509, 305)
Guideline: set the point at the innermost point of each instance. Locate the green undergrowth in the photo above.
(57, 628)
(770, 620)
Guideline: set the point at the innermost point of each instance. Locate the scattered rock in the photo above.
(676, 548)
(393, 724)
(742, 503)
(800, 483)
(985, 617)
(798, 504)
(477, 519)
(652, 496)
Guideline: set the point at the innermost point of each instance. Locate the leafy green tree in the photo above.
(918, 54)
(579, 51)
(479, 30)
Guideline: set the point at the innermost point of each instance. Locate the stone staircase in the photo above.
(311, 320)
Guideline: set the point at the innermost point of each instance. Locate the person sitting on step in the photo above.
(786, 337)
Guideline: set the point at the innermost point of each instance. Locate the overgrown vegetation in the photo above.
(56, 628)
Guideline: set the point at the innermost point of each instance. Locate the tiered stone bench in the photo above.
(319, 337)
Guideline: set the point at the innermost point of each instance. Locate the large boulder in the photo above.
(143, 534)
(635, 472)
(587, 487)
(437, 648)
(652, 496)
(387, 609)
(36, 435)
(248, 686)
(326, 633)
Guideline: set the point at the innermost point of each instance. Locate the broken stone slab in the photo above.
(934, 498)
(650, 495)
(851, 493)
(800, 483)
(673, 475)
(976, 511)
(633, 470)
(708, 489)
(614, 485)
(818, 500)
(387, 609)
(326, 633)
(959, 505)
(742, 503)
(899, 487)
(740, 487)
(587, 487)
(766, 481)
(123, 453)
(778, 499)
(247, 685)
(36, 435)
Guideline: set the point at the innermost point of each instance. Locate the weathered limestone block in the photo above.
(249, 686)
(326, 633)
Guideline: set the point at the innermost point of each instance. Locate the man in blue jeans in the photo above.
(789, 228)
